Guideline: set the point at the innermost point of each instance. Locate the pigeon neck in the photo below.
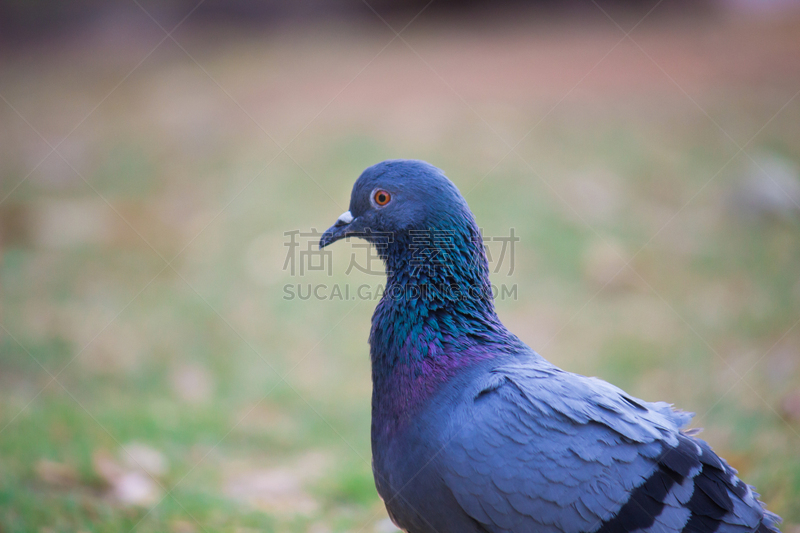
(436, 315)
(437, 297)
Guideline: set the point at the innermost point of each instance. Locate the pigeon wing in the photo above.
(540, 449)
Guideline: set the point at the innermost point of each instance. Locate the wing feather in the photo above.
(540, 449)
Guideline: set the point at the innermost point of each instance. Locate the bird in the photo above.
(473, 431)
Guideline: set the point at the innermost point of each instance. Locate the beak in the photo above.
(337, 231)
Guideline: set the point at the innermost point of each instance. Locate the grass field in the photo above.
(156, 373)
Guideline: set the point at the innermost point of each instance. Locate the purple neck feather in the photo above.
(427, 327)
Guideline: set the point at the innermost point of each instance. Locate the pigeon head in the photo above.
(437, 294)
(395, 201)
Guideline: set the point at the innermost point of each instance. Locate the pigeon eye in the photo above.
(382, 197)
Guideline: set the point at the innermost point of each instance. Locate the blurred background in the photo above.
(173, 352)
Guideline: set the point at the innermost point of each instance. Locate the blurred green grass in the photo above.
(143, 298)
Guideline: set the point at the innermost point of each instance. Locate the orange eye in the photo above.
(382, 197)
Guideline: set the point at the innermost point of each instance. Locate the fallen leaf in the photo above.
(136, 489)
(130, 487)
(192, 383)
(56, 474)
(279, 490)
(140, 456)
(106, 467)
(276, 490)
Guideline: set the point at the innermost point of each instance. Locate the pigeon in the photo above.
(473, 431)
